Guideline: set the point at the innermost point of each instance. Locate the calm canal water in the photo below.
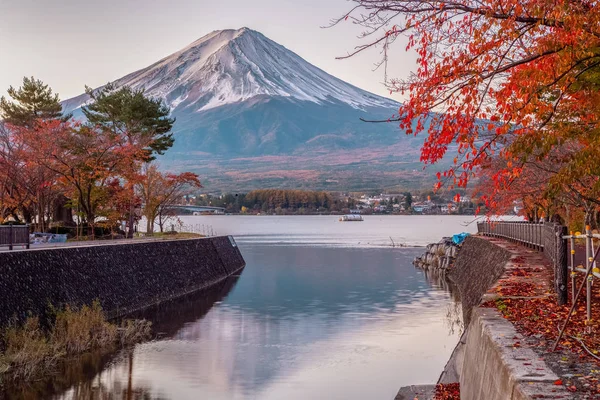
(323, 310)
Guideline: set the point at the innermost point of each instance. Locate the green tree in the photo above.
(407, 201)
(129, 113)
(139, 121)
(32, 101)
(27, 108)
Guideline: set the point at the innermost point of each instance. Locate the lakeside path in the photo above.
(509, 340)
(525, 296)
(511, 309)
(101, 242)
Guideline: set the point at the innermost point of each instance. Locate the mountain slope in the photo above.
(237, 94)
(231, 66)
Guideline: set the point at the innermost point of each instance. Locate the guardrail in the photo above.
(590, 270)
(202, 229)
(14, 235)
(546, 237)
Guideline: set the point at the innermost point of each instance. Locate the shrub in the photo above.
(77, 331)
(27, 349)
(134, 331)
(30, 349)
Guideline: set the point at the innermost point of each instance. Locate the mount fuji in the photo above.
(251, 113)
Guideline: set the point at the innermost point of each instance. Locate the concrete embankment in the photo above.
(497, 367)
(491, 360)
(496, 361)
(123, 277)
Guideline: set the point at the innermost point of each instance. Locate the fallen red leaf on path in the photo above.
(447, 391)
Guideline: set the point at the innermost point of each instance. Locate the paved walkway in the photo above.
(40, 246)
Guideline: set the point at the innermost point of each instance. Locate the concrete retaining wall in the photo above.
(497, 367)
(123, 277)
(492, 359)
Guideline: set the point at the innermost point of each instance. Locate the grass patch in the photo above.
(29, 350)
(171, 235)
(502, 307)
(140, 236)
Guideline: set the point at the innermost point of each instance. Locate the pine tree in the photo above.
(32, 101)
(408, 200)
(138, 121)
(127, 112)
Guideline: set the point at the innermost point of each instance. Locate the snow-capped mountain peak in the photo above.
(232, 66)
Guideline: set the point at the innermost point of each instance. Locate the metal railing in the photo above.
(201, 229)
(14, 235)
(546, 237)
(590, 270)
(527, 233)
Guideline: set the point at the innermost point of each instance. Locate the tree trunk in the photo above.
(149, 225)
(130, 222)
(61, 213)
(91, 225)
(561, 269)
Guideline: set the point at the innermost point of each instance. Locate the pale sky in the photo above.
(72, 43)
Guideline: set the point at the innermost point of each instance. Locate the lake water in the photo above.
(323, 310)
(326, 230)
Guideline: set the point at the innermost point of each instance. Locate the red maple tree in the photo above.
(505, 79)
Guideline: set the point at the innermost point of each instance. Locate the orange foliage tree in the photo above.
(27, 190)
(47, 160)
(86, 161)
(506, 79)
(160, 190)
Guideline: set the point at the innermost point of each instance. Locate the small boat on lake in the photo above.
(351, 217)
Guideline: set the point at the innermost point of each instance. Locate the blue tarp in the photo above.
(460, 237)
(39, 237)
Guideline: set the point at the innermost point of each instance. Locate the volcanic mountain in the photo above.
(251, 113)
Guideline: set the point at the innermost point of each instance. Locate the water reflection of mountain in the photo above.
(228, 355)
(298, 317)
(291, 280)
(292, 300)
(76, 377)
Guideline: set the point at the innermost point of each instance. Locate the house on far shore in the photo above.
(421, 207)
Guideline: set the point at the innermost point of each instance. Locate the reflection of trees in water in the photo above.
(81, 377)
(454, 318)
(169, 317)
(70, 372)
(95, 389)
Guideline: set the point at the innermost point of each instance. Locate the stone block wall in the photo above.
(123, 277)
(478, 266)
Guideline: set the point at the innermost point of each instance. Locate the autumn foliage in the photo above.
(99, 167)
(505, 88)
(160, 190)
(447, 391)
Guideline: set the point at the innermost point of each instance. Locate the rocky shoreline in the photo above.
(496, 358)
(439, 255)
